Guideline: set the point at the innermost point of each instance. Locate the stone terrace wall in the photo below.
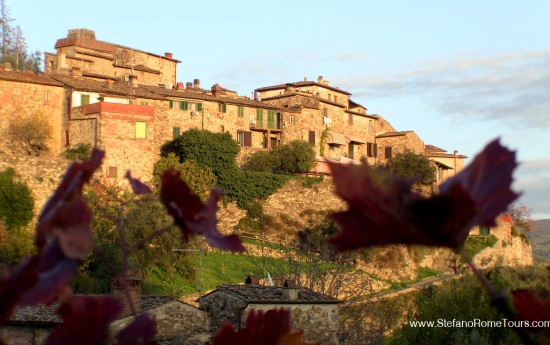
(41, 174)
(23, 335)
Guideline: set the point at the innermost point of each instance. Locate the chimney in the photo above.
(133, 286)
(320, 79)
(76, 72)
(252, 280)
(256, 96)
(188, 85)
(179, 85)
(216, 90)
(305, 78)
(290, 290)
(168, 55)
(196, 83)
(455, 153)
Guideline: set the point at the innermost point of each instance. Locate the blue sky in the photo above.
(458, 73)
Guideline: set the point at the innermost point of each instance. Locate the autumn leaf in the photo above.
(191, 215)
(262, 328)
(533, 306)
(86, 321)
(382, 208)
(140, 331)
(137, 186)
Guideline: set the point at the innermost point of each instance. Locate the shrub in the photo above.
(295, 157)
(261, 161)
(412, 166)
(80, 151)
(32, 131)
(16, 201)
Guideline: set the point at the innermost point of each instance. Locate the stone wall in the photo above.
(319, 322)
(23, 334)
(222, 307)
(175, 319)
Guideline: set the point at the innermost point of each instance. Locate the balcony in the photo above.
(261, 125)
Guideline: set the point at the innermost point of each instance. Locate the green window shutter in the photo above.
(224, 108)
(260, 115)
(141, 130)
(175, 132)
(171, 104)
(240, 112)
(199, 106)
(184, 105)
(270, 119)
(84, 99)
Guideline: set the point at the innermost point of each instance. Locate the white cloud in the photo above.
(513, 89)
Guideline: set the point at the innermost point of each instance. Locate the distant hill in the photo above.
(540, 236)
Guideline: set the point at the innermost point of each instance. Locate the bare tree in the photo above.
(31, 131)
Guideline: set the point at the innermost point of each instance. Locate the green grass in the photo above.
(219, 268)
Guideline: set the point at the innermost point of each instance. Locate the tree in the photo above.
(410, 165)
(16, 201)
(295, 157)
(200, 179)
(521, 217)
(32, 131)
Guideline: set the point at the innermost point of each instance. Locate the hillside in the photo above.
(541, 239)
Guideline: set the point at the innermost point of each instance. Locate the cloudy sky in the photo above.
(458, 73)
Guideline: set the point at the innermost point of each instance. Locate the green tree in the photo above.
(16, 201)
(295, 157)
(412, 166)
(200, 179)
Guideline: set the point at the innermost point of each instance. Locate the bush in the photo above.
(80, 151)
(410, 165)
(199, 178)
(32, 131)
(16, 201)
(295, 157)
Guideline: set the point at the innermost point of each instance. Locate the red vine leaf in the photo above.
(137, 186)
(533, 306)
(140, 331)
(85, 321)
(191, 215)
(266, 328)
(383, 210)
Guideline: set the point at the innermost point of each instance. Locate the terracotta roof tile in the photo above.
(28, 77)
(393, 134)
(301, 84)
(273, 294)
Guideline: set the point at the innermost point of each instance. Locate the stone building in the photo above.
(313, 313)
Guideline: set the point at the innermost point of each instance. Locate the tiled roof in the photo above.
(375, 117)
(273, 294)
(434, 149)
(301, 84)
(97, 75)
(28, 77)
(46, 314)
(353, 104)
(393, 134)
(139, 68)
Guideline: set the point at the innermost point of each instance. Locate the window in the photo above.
(170, 104)
(112, 172)
(270, 119)
(240, 112)
(84, 99)
(259, 117)
(184, 105)
(175, 132)
(350, 119)
(143, 103)
(141, 130)
(350, 150)
(222, 108)
(372, 150)
(335, 98)
(387, 152)
(291, 119)
(47, 96)
(312, 137)
(484, 231)
(244, 138)
(329, 97)
(325, 111)
(199, 106)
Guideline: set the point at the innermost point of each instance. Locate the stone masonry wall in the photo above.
(319, 322)
(22, 335)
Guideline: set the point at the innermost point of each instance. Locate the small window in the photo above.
(351, 151)
(350, 119)
(372, 149)
(84, 99)
(329, 97)
(47, 96)
(291, 119)
(484, 231)
(222, 108)
(184, 105)
(170, 104)
(335, 98)
(312, 137)
(141, 130)
(244, 138)
(388, 152)
(112, 172)
(143, 103)
(175, 132)
(240, 112)
(199, 106)
(325, 112)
